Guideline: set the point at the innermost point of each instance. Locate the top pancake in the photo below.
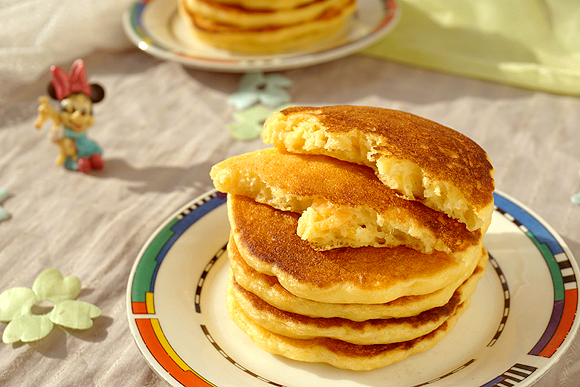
(421, 159)
(342, 204)
(266, 239)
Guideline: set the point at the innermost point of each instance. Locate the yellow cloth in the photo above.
(528, 43)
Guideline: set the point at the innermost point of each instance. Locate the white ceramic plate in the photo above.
(154, 26)
(523, 316)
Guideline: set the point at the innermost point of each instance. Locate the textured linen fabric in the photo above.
(35, 34)
(162, 127)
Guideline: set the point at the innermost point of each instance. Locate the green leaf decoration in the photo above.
(4, 215)
(15, 302)
(50, 285)
(74, 314)
(27, 328)
(22, 307)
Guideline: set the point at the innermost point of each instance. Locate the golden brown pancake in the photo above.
(235, 15)
(341, 204)
(266, 239)
(421, 159)
(268, 288)
(338, 353)
(374, 331)
(265, 4)
(267, 39)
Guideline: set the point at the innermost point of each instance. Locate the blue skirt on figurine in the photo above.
(85, 147)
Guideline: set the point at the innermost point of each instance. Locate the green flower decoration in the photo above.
(257, 97)
(256, 87)
(251, 121)
(4, 215)
(18, 306)
(575, 198)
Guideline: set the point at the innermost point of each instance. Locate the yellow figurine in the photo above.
(76, 97)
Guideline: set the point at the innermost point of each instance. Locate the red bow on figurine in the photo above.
(65, 84)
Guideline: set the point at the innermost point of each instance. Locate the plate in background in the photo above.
(155, 27)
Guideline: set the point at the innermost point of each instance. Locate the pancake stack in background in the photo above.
(261, 26)
(358, 239)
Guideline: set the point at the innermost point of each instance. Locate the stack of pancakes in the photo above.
(358, 240)
(263, 26)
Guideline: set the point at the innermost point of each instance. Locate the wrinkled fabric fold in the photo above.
(36, 34)
(533, 44)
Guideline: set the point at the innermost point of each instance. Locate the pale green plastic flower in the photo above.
(253, 88)
(4, 215)
(16, 308)
(267, 89)
(251, 121)
(575, 198)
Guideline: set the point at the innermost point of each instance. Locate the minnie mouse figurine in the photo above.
(70, 124)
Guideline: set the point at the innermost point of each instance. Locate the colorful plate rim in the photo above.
(148, 333)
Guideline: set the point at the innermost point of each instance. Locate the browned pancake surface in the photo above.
(354, 350)
(269, 289)
(431, 315)
(339, 353)
(455, 158)
(216, 27)
(343, 183)
(240, 9)
(269, 235)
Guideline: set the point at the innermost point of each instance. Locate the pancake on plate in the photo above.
(341, 204)
(265, 4)
(338, 353)
(358, 240)
(269, 289)
(235, 15)
(266, 239)
(257, 35)
(373, 331)
(419, 158)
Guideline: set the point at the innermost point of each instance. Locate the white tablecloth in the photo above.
(162, 127)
